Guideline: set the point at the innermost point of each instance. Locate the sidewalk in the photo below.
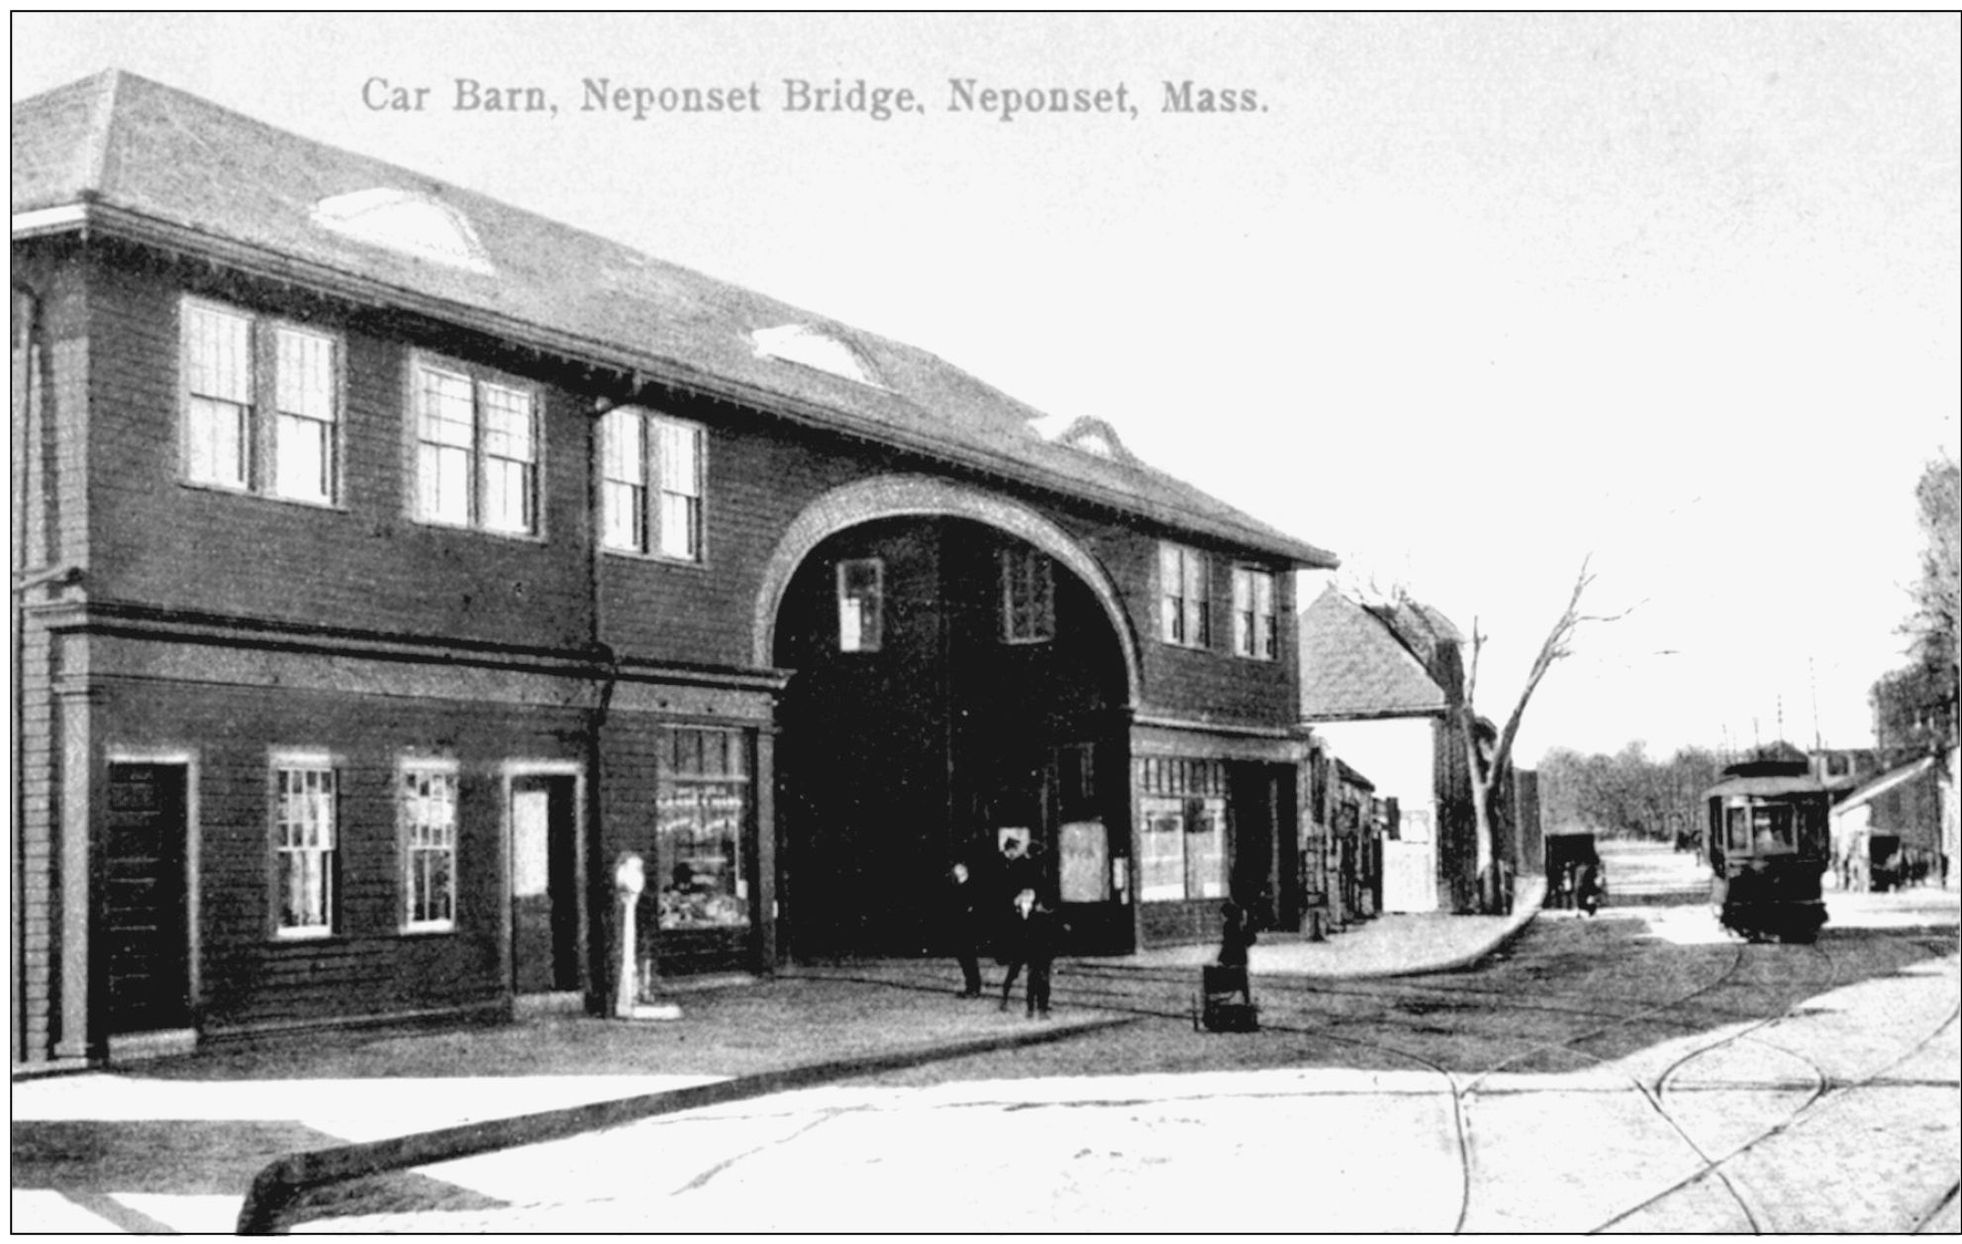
(1400, 945)
(176, 1144)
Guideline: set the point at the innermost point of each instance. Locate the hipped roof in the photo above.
(167, 168)
(1353, 666)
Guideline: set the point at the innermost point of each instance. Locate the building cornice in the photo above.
(126, 619)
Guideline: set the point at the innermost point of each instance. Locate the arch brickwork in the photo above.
(899, 496)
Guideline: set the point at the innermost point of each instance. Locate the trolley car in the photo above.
(1768, 845)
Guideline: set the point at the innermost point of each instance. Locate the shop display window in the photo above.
(1182, 852)
(703, 800)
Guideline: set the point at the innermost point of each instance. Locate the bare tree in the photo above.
(1489, 758)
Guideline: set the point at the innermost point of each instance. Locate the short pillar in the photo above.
(629, 881)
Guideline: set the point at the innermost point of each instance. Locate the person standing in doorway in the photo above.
(965, 909)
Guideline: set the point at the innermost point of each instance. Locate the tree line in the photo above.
(1628, 794)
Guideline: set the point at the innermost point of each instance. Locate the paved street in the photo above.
(1631, 1072)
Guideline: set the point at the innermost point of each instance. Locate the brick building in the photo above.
(390, 561)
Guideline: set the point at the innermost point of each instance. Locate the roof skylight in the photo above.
(798, 343)
(1085, 435)
(407, 223)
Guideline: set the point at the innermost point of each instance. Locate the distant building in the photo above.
(1379, 684)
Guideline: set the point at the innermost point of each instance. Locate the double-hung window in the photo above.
(1253, 613)
(426, 811)
(1028, 596)
(305, 837)
(651, 484)
(261, 404)
(1185, 596)
(476, 450)
(861, 604)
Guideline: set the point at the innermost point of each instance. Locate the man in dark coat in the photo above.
(1034, 928)
(966, 914)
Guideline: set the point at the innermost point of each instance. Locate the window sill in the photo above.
(520, 537)
(305, 937)
(658, 559)
(253, 494)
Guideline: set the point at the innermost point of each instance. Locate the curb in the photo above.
(284, 1179)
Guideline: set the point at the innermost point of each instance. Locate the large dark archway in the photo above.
(949, 680)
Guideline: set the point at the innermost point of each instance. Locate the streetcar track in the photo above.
(1301, 994)
(1829, 1093)
(1941, 1203)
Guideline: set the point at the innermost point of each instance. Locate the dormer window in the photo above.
(797, 343)
(406, 223)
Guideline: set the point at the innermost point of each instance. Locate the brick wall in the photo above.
(369, 966)
(363, 564)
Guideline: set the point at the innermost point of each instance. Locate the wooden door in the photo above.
(145, 930)
(544, 885)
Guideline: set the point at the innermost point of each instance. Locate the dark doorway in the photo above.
(950, 683)
(544, 884)
(145, 942)
(1256, 801)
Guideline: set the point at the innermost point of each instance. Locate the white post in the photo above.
(629, 879)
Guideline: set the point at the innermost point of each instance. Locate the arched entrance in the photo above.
(950, 679)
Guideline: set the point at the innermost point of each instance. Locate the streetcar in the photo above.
(1768, 845)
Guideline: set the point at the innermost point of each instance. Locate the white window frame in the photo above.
(1028, 596)
(480, 441)
(287, 836)
(862, 625)
(1255, 634)
(266, 420)
(423, 835)
(652, 503)
(1185, 615)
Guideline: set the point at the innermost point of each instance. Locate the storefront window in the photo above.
(1205, 848)
(1161, 850)
(1182, 850)
(703, 800)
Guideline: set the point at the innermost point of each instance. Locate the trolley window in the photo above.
(1737, 829)
(1771, 828)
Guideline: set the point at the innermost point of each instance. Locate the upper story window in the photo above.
(1028, 596)
(1253, 614)
(305, 841)
(262, 405)
(476, 450)
(651, 486)
(1185, 596)
(861, 604)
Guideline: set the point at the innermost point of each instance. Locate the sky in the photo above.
(1468, 300)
